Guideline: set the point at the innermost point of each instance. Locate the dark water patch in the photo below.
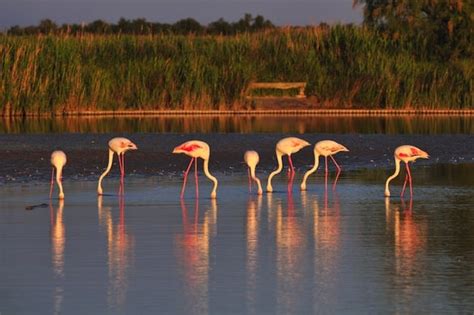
(25, 157)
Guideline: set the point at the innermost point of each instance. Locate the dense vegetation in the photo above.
(345, 67)
(433, 29)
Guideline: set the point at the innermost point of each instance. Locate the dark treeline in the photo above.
(143, 27)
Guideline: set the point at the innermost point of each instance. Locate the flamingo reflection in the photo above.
(193, 255)
(120, 247)
(253, 218)
(410, 238)
(291, 246)
(327, 247)
(58, 244)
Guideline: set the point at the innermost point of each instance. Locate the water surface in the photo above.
(348, 251)
(321, 251)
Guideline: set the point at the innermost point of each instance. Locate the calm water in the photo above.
(345, 252)
(349, 251)
(245, 124)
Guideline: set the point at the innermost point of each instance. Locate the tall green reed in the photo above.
(345, 67)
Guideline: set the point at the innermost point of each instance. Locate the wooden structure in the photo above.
(279, 86)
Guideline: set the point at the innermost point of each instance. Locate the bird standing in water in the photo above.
(405, 153)
(286, 146)
(324, 148)
(251, 158)
(197, 149)
(117, 146)
(58, 160)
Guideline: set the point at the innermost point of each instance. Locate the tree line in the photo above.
(141, 26)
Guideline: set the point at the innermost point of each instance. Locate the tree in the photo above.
(187, 26)
(47, 26)
(443, 28)
(221, 27)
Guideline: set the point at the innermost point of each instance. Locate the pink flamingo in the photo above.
(325, 148)
(117, 146)
(405, 153)
(58, 160)
(286, 146)
(197, 149)
(251, 158)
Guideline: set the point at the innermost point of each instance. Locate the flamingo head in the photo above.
(423, 154)
(304, 143)
(128, 145)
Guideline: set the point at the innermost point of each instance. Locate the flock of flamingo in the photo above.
(199, 149)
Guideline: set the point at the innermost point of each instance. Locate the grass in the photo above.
(345, 67)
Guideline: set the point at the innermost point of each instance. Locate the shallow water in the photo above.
(349, 251)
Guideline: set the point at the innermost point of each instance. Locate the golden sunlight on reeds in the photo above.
(344, 67)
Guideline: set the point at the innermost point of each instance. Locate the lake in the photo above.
(348, 250)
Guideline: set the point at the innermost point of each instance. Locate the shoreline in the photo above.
(257, 112)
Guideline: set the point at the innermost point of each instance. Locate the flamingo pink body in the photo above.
(405, 153)
(324, 148)
(286, 146)
(252, 158)
(116, 146)
(197, 149)
(58, 160)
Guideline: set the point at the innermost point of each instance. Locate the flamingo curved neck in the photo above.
(397, 171)
(59, 172)
(311, 171)
(255, 178)
(212, 178)
(109, 166)
(278, 170)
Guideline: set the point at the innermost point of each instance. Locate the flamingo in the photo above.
(252, 159)
(197, 149)
(58, 160)
(119, 146)
(325, 148)
(405, 153)
(286, 146)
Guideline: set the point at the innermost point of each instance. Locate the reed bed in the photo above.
(345, 67)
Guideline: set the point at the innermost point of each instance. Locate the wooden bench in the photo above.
(279, 86)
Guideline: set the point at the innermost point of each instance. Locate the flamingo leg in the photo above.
(196, 176)
(290, 183)
(122, 172)
(291, 164)
(52, 183)
(409, 180)
(186, 177)
(338, 172)
(404, 185)
(250, 180)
